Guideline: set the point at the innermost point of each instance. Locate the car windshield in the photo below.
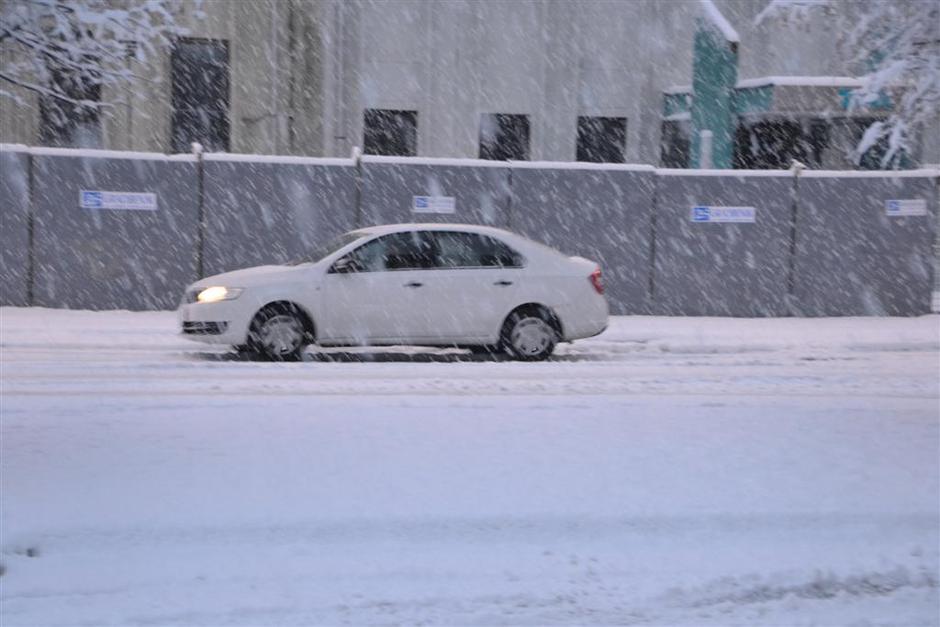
(321, 251)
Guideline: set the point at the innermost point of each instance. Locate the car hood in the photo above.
(248, 277)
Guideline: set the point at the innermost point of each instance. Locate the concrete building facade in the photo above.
(435, 78)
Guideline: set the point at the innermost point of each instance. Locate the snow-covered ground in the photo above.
(669, 472)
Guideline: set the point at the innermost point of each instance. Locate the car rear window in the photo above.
(456, 249)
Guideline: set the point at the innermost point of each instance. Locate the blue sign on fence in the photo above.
(724, 214)
(91, 200)
(128, 201)
(434, 204)
(700, 214)
(908, 207)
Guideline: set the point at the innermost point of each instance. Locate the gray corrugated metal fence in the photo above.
(112, 259)
(603, 214)
(14, 226)
(272, 212)
(480, 190)
(853, 258)
(820, 243)
(720, 268)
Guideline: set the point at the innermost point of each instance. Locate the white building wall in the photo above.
(786, 47)
(303, 71)
(551, 60)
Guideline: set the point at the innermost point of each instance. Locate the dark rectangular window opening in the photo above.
(775, 143)
(601, 140)
(200, 94)
(504, 137)
(770, 144)
(75, 122)
(675, 144)
(819, 141)
(391, 133)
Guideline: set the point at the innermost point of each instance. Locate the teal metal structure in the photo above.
(714, 75)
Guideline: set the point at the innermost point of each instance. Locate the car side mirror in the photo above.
(345, 265)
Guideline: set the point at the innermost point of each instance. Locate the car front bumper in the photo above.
(223, 322)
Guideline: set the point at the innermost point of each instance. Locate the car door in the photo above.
(478, 284)
(379, 293)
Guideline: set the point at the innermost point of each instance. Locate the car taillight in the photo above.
(597, 281)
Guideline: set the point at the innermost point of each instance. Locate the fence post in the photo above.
(30, 229)
(201, 209)
(651, 289)
(935, 296)
(797, 168)
(509, 195)
(357, 161)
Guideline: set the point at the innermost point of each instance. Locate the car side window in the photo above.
(500, 254)
(397, 251)
(471, 250)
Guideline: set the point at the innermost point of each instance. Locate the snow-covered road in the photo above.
(670, 471)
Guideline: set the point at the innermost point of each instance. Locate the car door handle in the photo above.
(413, 284)
(503, 283)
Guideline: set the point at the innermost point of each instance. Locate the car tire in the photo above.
(279, 333)
(529, 335)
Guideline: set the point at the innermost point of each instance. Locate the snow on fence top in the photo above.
(693, 172)
(280, 159)
(857, 174)
(14, 148)
(580, 165)
(928, 172)
(159, 156)
(486, 163)
(108, 154)
(800, 81)
(864, 174)
(442, 161)
(678, 89)
(713, 15)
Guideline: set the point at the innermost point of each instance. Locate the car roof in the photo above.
(529, 247)
(434, 226)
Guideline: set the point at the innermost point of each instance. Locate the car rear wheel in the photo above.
(529, 335)
(278, 333)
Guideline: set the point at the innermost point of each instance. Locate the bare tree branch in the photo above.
(894, 46)
(63, 43)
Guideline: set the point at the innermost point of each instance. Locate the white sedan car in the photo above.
(418, 284)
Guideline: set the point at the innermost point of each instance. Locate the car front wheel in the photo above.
(529, 336)
(278, 333)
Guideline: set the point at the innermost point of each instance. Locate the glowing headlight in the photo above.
(215, 294)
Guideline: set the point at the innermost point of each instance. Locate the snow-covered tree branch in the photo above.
(66, 50)
(894, 46)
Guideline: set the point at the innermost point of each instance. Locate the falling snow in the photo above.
(751, 441)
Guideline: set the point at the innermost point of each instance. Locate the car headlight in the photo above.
(215, 294)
